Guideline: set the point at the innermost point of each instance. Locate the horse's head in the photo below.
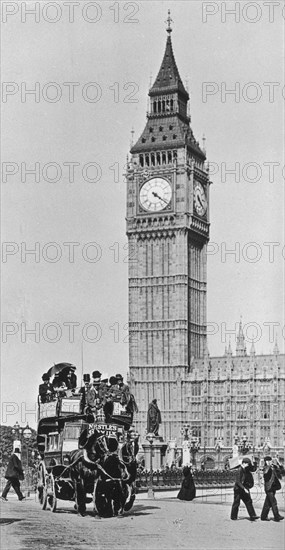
(114, 468)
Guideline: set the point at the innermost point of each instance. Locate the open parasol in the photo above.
(58, 368)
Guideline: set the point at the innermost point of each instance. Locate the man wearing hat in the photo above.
(14, 474)
(124, 389)
(244, 481)
(96, 392)
(68, 377)
(83, 392)
(272, 471)
(45, 389)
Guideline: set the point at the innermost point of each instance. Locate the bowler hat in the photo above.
(267, 458)
(45, 376)
(119, 377)
(246, 460)
(96, 374)
(113, 380)
(17, 450)
(86, 377)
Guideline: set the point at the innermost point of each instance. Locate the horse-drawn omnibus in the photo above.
(84, 458)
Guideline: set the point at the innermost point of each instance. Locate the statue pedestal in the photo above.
(171, 452)
(186, 455)
(158, 449)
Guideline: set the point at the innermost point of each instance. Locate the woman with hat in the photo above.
(188, 489)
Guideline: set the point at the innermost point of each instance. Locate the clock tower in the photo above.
(168, 230)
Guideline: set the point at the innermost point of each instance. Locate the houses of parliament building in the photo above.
(214, 402)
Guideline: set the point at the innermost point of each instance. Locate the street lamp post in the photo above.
(17, 433)
(27, 434)
(150, 492)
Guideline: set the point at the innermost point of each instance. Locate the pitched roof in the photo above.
(168, 78)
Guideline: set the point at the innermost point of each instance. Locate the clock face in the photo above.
(155, 194)
(200, 201)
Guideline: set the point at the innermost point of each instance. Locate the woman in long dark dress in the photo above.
(188, 489)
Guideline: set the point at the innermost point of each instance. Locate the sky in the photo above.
(90, 66)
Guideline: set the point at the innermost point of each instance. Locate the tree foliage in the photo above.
(6, 445)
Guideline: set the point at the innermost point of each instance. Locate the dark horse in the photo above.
(96, 468)
(83, 468)
(111, 490)
(129, 451)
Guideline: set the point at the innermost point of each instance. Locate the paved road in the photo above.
(161, 524)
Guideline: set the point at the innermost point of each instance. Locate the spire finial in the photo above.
(168, 22)
(204, 143)
(132, 136)
(252, 349)
(276, 348)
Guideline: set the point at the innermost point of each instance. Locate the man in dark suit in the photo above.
(96, 392)
(45, 389)
(83, 392)
(243, 484)
(271, 473)
(14, 474)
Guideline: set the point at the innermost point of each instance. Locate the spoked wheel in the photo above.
(41, 485)
(51, 495)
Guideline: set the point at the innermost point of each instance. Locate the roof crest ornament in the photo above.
(168, 22)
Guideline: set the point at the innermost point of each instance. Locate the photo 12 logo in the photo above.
(252, 331)
(69, 11)
(69, 171)
(248, 12)
(70, 332)
(247, 172)
(69, 92)
(237, 92)
(71, 252)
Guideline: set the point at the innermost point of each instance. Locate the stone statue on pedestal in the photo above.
(153, 418)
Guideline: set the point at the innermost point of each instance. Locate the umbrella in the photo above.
(58, 368)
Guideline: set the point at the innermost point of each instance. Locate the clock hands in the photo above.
(158, 197)
(199, 200)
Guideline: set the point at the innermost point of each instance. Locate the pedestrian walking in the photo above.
(244, 482)
(272, 471)
(188, 489)
(14, 474)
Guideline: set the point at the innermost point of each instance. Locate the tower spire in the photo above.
(276, 348)
(252, 349)
(230, 347)
(168, 22)
(240, 347)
